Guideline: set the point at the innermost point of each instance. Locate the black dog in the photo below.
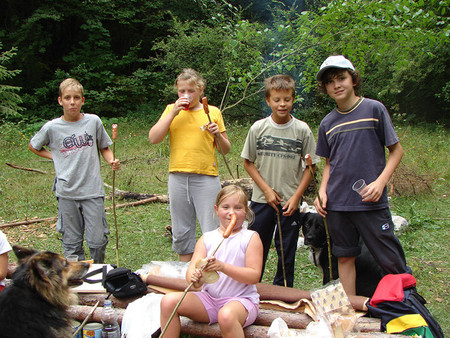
(368, 272)
(35, 304)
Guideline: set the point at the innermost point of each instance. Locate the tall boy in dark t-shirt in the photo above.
(352, 138)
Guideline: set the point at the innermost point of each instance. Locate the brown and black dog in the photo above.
(35, 304)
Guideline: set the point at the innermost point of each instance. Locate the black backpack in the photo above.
(120, 282)
(402, 309)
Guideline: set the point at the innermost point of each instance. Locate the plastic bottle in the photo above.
(111, 328)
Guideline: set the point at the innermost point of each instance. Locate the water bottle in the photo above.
(111, 328)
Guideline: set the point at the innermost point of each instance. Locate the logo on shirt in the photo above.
(73, 143)
(279, 144)
(279, 147)
(385, 226)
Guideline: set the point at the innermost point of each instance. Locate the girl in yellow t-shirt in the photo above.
(193, 171)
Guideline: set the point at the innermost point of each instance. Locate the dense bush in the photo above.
(9, 97)
(127, 53)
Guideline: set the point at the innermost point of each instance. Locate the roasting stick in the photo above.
(206, 109)
(281, 248)
(309, 164)
(226, 234)
(114, 137)
(75, 334)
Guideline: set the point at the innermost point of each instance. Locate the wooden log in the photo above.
(90, 299)
(245, 183)
(365, 327)
(154, 198)
(266, 291)
(136, 195)
(366, 324)
(288, 295)
(80, 312)
(265, 317)
(188, 326)
(294, 320)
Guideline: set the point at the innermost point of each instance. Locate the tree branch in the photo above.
(27, 169)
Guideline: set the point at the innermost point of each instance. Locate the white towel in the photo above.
(141, 318)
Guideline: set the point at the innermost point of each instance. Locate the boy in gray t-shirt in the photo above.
(75, 140)
(273, 157)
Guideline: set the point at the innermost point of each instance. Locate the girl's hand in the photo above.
(213, 128)
(180, 104)
(214, 265)
(197, 277)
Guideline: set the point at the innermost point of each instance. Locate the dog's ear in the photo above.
(45, 265)
(23, 253)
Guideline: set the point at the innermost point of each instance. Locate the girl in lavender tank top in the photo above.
(232, 301)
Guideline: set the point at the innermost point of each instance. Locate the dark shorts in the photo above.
(376, 228)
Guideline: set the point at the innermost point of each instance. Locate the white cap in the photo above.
(334, 61)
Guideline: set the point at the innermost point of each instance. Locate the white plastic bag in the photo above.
(171, 269)
(279, 329)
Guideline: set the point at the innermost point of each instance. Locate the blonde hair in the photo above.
(191, 75)
(70, 82)
(230, 190)
(279, 82)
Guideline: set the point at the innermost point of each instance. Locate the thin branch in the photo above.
(301, 47)
(156, 198)
(27, 169)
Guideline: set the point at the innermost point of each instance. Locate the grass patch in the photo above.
(142, 238)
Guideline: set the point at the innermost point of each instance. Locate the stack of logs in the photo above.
(259, 328)
(294, 320)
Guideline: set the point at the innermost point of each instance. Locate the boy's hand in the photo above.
(272, 198)
(291, 206)
(321, 208)
(115, 164)
(373, 192)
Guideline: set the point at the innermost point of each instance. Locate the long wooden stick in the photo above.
(281, 247)
(85, 320)
(206, 109)
(114, 137)
(26, 169)
(313, 177)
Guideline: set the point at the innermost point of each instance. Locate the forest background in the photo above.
(127, 53)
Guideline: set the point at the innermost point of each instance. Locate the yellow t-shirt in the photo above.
(192, 150)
